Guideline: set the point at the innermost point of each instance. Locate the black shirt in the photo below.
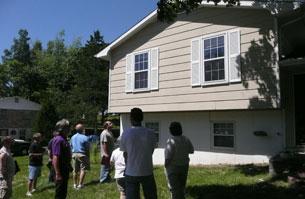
(35, 160)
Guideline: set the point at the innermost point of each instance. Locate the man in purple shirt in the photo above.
(61, 158)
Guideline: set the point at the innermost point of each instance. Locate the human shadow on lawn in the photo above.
(49, 186)
(262, 190)
(252, 170)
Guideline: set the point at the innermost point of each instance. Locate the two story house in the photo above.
(215, 70)
(17, 116)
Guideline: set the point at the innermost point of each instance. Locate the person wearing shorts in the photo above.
(35, 162)
(80, 156)
(117, 159)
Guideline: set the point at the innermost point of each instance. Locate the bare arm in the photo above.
(58, 176)
(105, 148)
(2, 165)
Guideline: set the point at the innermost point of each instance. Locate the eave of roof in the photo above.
(105, 53)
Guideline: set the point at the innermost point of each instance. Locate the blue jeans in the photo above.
(105, 173)
(133, 187)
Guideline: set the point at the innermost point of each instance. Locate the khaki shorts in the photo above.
(80, 162)
(120, 182)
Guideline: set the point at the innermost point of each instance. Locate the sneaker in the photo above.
(80, 186)
(75, 186)
(33, 190)
(29, 194)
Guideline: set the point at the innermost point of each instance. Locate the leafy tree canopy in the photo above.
(168, 9)
(67, 80)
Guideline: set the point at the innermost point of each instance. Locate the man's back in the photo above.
(138, 143)
(79, 143)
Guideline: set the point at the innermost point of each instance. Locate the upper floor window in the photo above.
(215, 58)
(142, 70)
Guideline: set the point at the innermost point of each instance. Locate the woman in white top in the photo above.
(7, 168)
(178, 148)
(117, 158)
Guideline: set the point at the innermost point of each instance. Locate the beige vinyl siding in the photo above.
(175, 92)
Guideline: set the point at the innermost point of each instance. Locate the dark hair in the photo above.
(106, 124)
(175, 128)
(136, 115)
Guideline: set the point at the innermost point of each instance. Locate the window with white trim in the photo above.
(142, 71)
(215, 59)
(223, 134)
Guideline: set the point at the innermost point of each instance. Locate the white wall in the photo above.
(197, 126)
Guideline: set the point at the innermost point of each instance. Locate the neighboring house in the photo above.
(17, 116)
(217, 71)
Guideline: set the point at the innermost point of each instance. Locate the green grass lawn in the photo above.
(217, 182)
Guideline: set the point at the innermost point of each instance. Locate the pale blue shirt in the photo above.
(79, 143)
(139, 143)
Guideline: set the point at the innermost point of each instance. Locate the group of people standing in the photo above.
(138, 143)
(132, 159)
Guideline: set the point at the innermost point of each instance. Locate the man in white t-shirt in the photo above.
(117, 158)
(138, 145)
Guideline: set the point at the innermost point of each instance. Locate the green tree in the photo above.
(21, 77)
(90, 91)
(20, 49)
(46, 119)
(4, 81)
(168, 9)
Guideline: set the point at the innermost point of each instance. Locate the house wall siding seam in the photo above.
(174, 41)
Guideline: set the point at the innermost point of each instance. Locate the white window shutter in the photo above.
(234, 56)
(154, 69)
(129, 73)
(195, 62)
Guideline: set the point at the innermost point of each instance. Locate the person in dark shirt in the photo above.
(61, 158)
(35, 163)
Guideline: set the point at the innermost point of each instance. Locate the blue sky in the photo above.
(43, 19)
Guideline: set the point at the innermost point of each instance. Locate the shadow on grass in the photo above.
(255, 191)
(92, 182)
(49, 186)
(252, 170)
